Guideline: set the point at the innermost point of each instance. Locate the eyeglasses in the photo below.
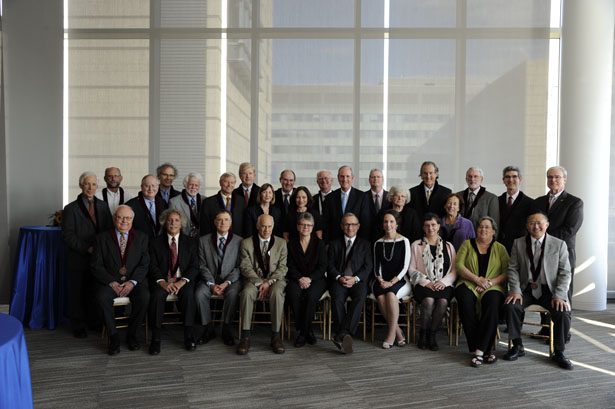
(345, 225)
(124, 218)
(536, 223)
(304, 225)
(167, 175)
(556, 177)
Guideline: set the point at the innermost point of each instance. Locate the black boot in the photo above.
(433, 345)
(422, 339)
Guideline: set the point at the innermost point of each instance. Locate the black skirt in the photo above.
(420, 293)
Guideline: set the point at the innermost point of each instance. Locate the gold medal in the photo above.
(123, 271)
(123, 278)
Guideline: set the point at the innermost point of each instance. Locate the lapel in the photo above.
(558, 203)
(549, 265)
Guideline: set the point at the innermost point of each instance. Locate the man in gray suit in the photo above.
(219, 266)
(263, 268)
(538, 273)
(478, 203)
(189, 202)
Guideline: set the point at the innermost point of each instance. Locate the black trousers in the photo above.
(157, 302)
(83, 311)
(480, 330)
(347, 321)
(561, 320)
(304, 302)
(139, 297)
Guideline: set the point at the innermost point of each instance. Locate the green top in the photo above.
(467, 258)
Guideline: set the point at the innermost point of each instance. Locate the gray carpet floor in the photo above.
(71, 373)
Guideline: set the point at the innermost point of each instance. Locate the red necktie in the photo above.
(92, 210)
(510, 202)
(247, 196)
(173, 270)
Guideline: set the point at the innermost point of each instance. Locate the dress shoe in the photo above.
(347, 344)
(310, 338)
(133, 344)
(515, 352)
(80, 333)
(277, 346)
(189, 344)
(300, 341)
(227, 336)
(244, 346)
(433, 345)
(154, 347)
(422, 343)
(562, 361)
(337, 342)
(114, 345)
(209, 333)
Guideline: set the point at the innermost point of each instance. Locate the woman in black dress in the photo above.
(409, 224)
(307, 262)
(391, 261)
(300, 202)
(264, 205)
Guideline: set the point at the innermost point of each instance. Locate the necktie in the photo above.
(227, 200)
(221, 249)
(428, 196)
(344, 201)
(265, 248)
(152, 210)
(510, 202)
(193, 229)
(470, 200)
(165, 194)
(377, 203)
(551, 201)
(193, 205)
(537, 292)
(247, 195)
(286, 202)
(92, 211)
(172, 272)
(348, 246)
(122, 244)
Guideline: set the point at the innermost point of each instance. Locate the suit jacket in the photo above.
(299, 262)
(279, 201)
(79, 232)
(418, 200)
(555, 265)
(253, 194)
(333, 211)
(512, 222)
(106, 261)
(486, 205)
(178, 203)
(361, 259)
(565, 219)
(251, 216)
(319, 203)
(160, 258)
(252, 272)
(172, 194)
(143, 220)
(210, 269)
(371, 223)
(213, 205)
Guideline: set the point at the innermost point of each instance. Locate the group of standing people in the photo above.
(255, 243)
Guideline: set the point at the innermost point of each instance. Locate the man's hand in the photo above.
(116, 287)
(560, 305)
(263, 291)
(173, 288)
(164, 285)
(512, 298)
(347, 281)
(305, 282)
(126, 288)
(218, 289)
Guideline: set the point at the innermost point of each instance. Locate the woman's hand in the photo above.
(439, 286)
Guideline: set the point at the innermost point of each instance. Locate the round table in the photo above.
(15, 384)
(40, 286)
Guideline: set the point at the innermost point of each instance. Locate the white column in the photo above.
(585, 133)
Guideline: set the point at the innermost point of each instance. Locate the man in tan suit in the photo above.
(263, 268)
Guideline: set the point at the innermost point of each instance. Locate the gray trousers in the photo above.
(203, 294)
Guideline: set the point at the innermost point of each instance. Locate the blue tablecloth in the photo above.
(40, 285)
(15, 384)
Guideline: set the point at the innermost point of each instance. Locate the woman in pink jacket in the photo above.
(432, 272)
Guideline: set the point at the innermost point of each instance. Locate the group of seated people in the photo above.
(253, 244)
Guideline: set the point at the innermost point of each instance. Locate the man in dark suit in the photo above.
(350, 264)
(344, 200)
(119, 265)
(283, 194)
(428, 196)
(374, 202)
(220, 276)
(538, 273)
(189, 201)
(148, 207)
(263, 270)
(223, 200)
(478, 203)
(82, 219)
(515, 206)
(324, 181)
(166, 173)
(248, 190)
(173, 270)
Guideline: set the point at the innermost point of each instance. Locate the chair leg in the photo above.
(551, 349)
(373, 321)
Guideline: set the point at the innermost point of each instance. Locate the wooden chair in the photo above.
(407, 304)
(321, 316)
(540, 310)
(121, 321)
(265, 311)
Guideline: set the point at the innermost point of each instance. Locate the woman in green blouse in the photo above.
(481, 268)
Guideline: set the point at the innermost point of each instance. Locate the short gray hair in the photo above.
(494, 225)
(165, 165)
(394, 190)
(165, 215)
(477, 169)
(227, 175)
(558, 168)
(195, 175)
(511, 168)
(86, 174)
(123, 206)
